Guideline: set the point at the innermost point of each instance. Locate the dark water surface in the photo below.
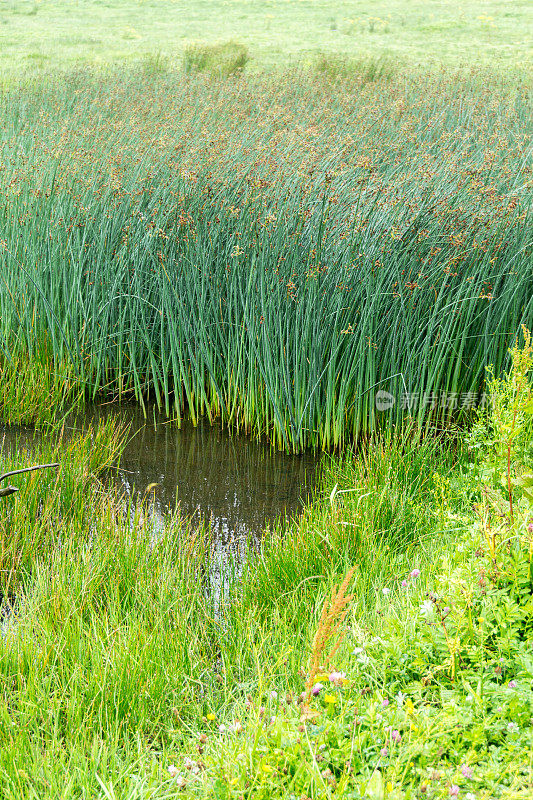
(233, 481)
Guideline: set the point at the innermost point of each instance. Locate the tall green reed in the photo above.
(270, 254)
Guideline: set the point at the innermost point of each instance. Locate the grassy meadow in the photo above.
(313, 222)
(37, 34)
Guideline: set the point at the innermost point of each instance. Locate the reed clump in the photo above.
(274, 253)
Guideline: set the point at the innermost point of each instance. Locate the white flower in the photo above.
(360, 655)
(386, 590)
(173, 771)
(470, 796)
(427, 610)
(512, 727)
(400, 697)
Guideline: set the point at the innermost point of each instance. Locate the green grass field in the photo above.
(47, 33)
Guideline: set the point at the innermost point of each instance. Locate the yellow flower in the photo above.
(211, 717)
(409, 707)
(266, 768)
(330, 698)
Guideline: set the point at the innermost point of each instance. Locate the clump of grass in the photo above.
(155, 64)
(33, 389)
(220, 59)
(334, 67)
(55, 505)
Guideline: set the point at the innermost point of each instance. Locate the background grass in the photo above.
(51, 33)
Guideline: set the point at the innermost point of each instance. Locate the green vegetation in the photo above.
(122, 677)
(430, 694)
(48, 34)
(217, 59)
(329, 256)
(273, 253)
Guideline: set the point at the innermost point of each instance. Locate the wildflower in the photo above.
(396, 736)
(248, 703)
(211, 717)
(385, 702)
(470, 796)
(181, 782)
(530, 527)
(454, 790)
(338, 678)
(273, 695)
(330, 698)
(404, 584)
(222, 729)
(272, 720)
(427, 610)
(512, 684)
(261, 710)
(400, 697)
(415, 573)
(237, 727)
(386, 590)
(466, 771)
(512, 727)
(384, 752)
(316, 689)
(409, 706)
(361, 656)
(172, 770)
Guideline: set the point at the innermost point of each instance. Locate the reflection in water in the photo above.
(236, 483)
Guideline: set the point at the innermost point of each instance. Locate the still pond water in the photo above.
(235, 482)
